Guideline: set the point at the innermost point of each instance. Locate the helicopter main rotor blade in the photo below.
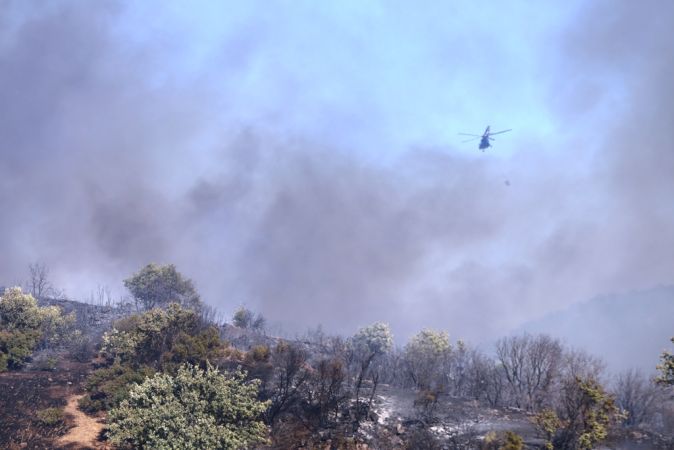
(499, 132)
(466, 134)
(471, 140)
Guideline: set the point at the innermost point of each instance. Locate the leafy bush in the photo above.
(139, 345)
(244, 318)
(548, 423)
(50, 416)
(57, 329)
(19, 311)
(20, 321)
(24, 326)
(161, 336)
(259, 353)
(108, 386)
(502, 441)
(16, 347)
(512, 441)
(584, 417)
(666, 368)
(193, 349)
(195, 409)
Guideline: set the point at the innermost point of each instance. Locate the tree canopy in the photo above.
(666, 368)
(375, 339)
(158, 285)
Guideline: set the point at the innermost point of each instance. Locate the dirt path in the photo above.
(85, 432)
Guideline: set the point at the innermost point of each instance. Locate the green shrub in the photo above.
(259, 353)
(666, 368)
(244, 318)
(50, 416)
(108, 386)
(195, 350)
(194, 409)
(139, 345)
(159, 336)
(16, 347)
(57, 329)
(587, 415)
(512, 441)
(548, 423)
(24, 326)
(19, 311)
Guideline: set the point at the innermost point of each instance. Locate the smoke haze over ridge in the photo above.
(118, 149)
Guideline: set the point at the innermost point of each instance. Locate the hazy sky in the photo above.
(302, 158)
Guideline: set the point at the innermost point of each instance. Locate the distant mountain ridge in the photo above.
(628, 330)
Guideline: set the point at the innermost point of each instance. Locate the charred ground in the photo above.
(311, 391)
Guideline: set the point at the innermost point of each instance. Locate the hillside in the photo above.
(317, 391)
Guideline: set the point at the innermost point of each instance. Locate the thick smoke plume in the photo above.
(108, 163)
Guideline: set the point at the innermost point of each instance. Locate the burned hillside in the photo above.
(313, 391)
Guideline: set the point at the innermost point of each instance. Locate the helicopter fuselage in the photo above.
(484, 142)
(484, 138)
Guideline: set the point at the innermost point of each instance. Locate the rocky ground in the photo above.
(451, 423)
(463, 424)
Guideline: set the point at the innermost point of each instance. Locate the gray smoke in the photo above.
(108, 163)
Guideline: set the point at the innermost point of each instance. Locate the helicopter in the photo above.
(484, 138)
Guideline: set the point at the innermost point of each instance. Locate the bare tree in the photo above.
(324, 394)
(578, 363)
(101, 297)
(485, 379)
(290, 374)
(636, 395)
(38, 283)
(459, 364)
(211, 316)
(530, 365)
(393, 370)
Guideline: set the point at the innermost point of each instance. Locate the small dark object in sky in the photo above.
(507, 182)
(484, 138)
